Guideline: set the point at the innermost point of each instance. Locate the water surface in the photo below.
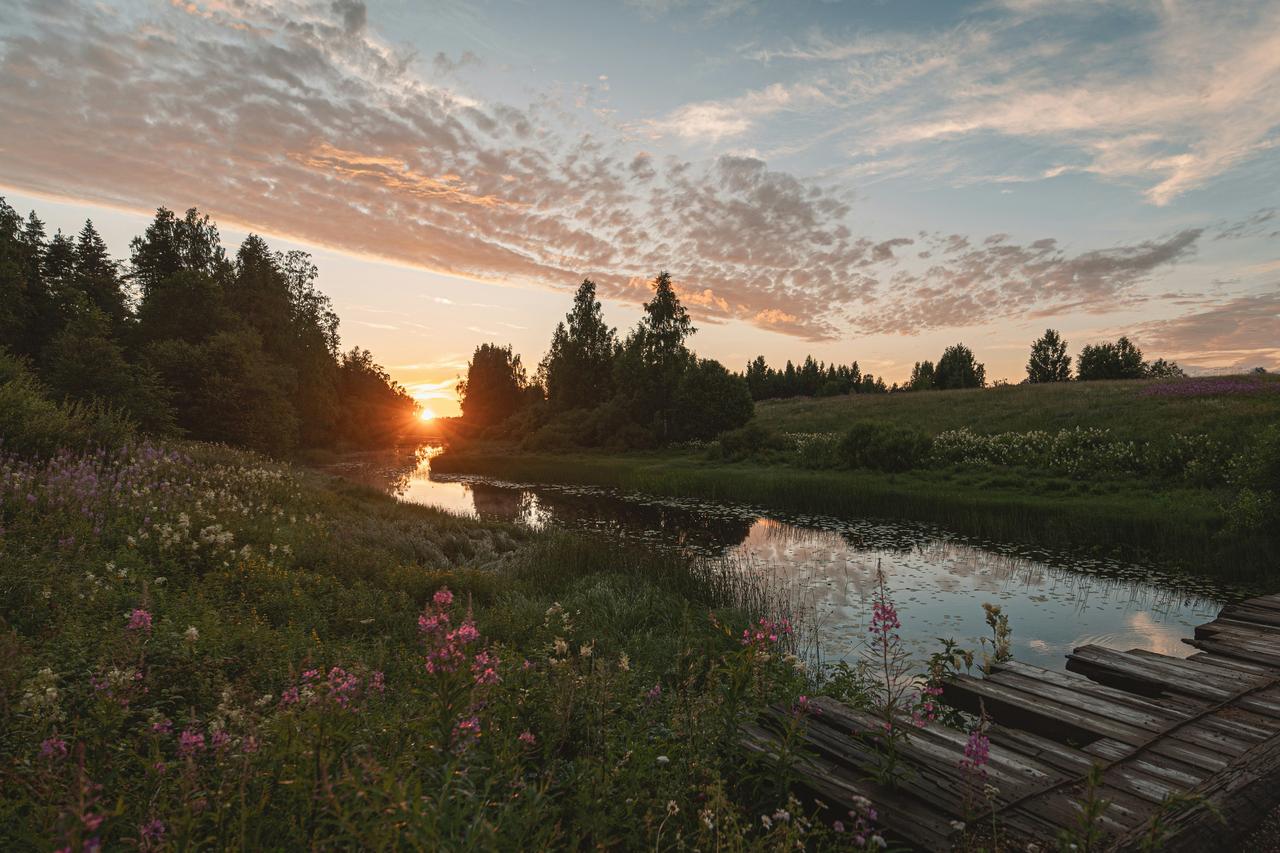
(1055, 601)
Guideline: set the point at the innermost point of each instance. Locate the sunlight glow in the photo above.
(427, 415)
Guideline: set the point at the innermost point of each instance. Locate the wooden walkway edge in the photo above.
(1191, 744)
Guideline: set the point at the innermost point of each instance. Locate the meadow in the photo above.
(206, 649)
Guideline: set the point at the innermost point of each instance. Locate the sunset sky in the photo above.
(856, 180)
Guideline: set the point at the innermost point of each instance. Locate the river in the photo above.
(827, 566)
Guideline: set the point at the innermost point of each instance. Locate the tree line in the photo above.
(186, 340)
(595, 389)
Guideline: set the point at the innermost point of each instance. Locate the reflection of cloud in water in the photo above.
(1055, 601)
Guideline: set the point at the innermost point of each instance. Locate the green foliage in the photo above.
(31, 423)
(243, 351)
(1049, 361)
(747, 442)
(495, 385)
(922, 376)
(959, 369)
(578, 367)
(1119, 360)
(709, 400)
(882, 447)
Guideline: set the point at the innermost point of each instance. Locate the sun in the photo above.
(427, 415)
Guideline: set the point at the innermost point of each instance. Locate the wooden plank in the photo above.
(1150, 718)
(1233, 663)
(1124, 671)
(1175, 707)
(1229, 805)
(1013, 707)
(903, 818)
(1251, 614)
(1263, 630)
(1234, 650)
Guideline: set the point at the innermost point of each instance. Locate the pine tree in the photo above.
(97, 276)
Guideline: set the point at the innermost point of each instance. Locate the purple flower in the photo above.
(190, 742)
(140, 620)
(53, 748)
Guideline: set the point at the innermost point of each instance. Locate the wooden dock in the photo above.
(1192, 743)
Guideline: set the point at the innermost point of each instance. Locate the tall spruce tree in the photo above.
(577, 370)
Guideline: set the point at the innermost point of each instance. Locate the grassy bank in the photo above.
(1177, 527)
(204, 649)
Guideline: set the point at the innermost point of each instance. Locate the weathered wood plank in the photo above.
(1230, 804)
(1267, 656)
(1172, 707)
(1065, 723)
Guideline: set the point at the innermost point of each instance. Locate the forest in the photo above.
(185, 340)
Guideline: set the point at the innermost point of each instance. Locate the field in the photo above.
(1133, 409)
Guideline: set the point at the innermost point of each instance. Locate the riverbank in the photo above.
(1180, 528)
(205, 648)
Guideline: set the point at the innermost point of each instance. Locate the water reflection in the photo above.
(828, 566)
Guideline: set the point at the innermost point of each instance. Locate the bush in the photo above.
(31, 424)
(882, 447)
(747, 442)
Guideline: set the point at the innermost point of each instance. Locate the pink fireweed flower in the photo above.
(190, 742)
(219, 739)
(655, 692)
(53, 748)
(484, 668)
(342, 686)
(467, 730)
(377, 682)
(526, 737)
(977, 751)
(140, 620)
(442, 598)
(162, 727)
(289, 697)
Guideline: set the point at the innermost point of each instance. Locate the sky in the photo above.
(851, 179)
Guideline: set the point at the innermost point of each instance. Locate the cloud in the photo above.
(302, 121)
(1170, 95)
(1243, 331)
(711, 121)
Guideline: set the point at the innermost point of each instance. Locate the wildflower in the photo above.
(561, 647)
(878, 841)
(442, 598)
(708, 818)
(192, 634)
(766, 822)
(140, 620)
(526, 737)
(190, 742)
(672, 808)
(976, 751)
(151, 834)
(219, 739)
(467, 730)
(655, 692)
(663, 761)
(586, 650)
(162, 726)
(782, 815)
(377, 682)
(838, 826)
(53, 748)
(624, 662)
(957, 825)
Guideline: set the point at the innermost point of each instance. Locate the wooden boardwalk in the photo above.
(1186, 739)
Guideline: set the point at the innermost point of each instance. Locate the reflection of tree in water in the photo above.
(386, 471)
(662, 523)
(496, 503)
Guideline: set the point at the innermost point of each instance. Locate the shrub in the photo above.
(881, 447)
(31, 424)
(746, 442)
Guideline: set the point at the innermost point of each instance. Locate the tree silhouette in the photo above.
(1049, 360)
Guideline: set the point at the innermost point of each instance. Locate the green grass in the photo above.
(621, 681)
(1119, 406)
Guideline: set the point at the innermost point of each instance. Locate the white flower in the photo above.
(663, 760)
(624, 662)
(672, 808)
(192, 634)
(764, 820)
(957, 825)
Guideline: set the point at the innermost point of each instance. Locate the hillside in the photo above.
(1227, 408)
